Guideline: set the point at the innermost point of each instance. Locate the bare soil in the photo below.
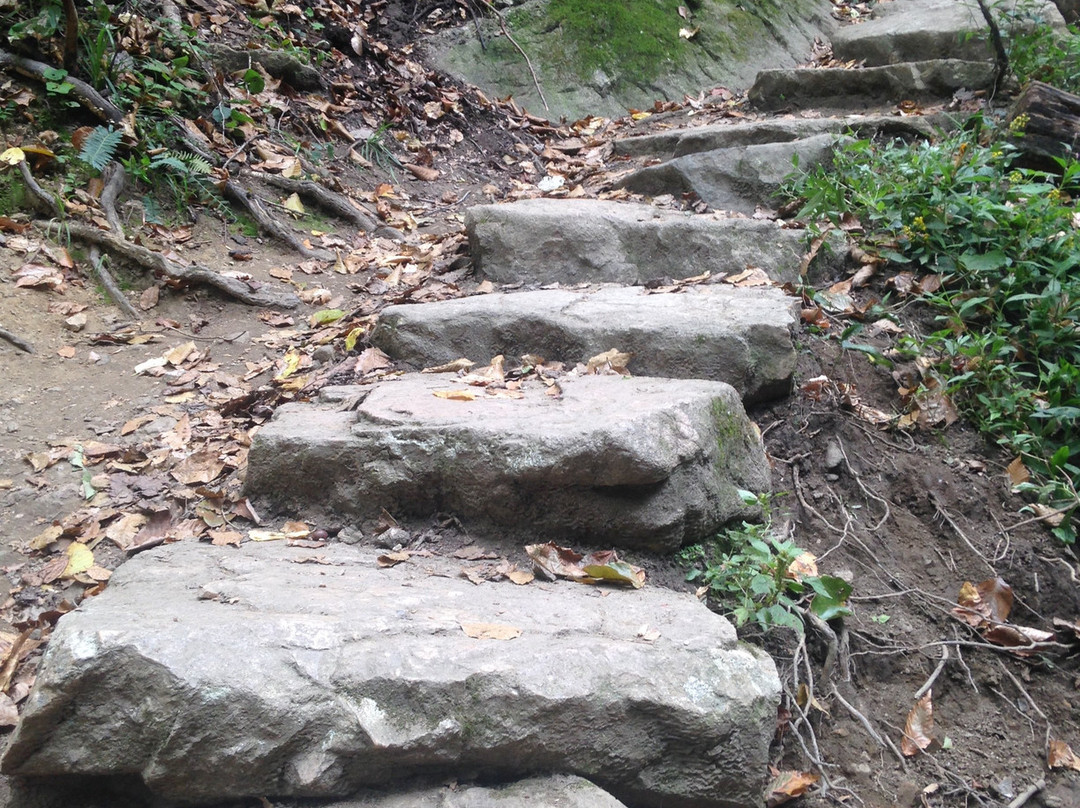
(906, 516)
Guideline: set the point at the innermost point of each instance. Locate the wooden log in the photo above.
(1052, 127)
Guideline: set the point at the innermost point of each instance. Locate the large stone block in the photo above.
(739, 336)
(737, 178)
(214, 673)
(537, 242)
(838, 87)
(693, 139)
(909, 30)
(635, 462)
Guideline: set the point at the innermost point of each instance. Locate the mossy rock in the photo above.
(604, 57)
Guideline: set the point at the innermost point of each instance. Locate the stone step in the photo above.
(680, 142)
(737, 178)
(538, 242)
(840, 88)
(908, 30)
(212, 674)
(739, 336)
(556, 791)
(631, 462)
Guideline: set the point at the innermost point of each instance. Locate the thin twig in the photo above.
(1023, 690)
(862, 487)
(952, 523)
(514, 42)
(1028, 793)
(884, 741)
(110, 285)
(16, 340)
(929, 683)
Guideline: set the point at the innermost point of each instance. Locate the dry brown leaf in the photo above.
(1018, 472)
(490, 631)
(1061, 756)
(421, 172)
(520, 577)
(223, 538)
(451, 367)
(614, 359)
(200, 467)
(788, 785)
(393, 559)
(372, 359)
(919, 727)
(455, 395)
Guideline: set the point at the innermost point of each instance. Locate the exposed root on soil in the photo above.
(16, 340)
(267, 223)
(332, 202)
(883, 740)
(156, 262)
(42, 199)
(929, 683)
(97, 261)
(81, 91)
(115, 178)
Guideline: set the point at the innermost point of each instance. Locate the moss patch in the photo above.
(631, 37)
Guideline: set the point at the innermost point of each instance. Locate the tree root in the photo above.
(330, 201)
(87, 95)
(157, 262)
(115, 177)
(16, 340)
(109, 283)
(42, 199)
(247, 200)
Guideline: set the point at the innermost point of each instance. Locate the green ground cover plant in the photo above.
(1003, 241)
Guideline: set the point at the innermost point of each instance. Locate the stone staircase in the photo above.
(206, 674)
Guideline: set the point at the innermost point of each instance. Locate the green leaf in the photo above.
(254, 81)
(830, 596)
(984, 262)
(326, 316)
(100, 147)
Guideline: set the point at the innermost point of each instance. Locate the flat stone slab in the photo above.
(739, 336)
(909, 30)
(556, 791)
(737, 178)
(694, 139)
(537, 242)
(836, 87)
(630, 462)
(215, 673)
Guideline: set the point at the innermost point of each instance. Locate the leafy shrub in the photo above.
(750, 575)
(1004, 241)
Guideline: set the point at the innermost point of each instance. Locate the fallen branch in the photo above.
(16, 340)
(234, 287)
(90, 98)
(97, 261)
(332, 202)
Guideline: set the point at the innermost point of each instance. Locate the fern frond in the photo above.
(100, 146)
(195, 163)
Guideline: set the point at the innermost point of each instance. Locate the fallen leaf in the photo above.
(450, 367)
(80, 559)
(371, 359)
(293, 203)
(614, 360)
(200, 467)
(455, 395)
(1061, 756)
(919, 727)
(562, 562)
(1018, 472)
(787, 785)
(521, 577)
(224, 538)
(490, 631)
(392, 559)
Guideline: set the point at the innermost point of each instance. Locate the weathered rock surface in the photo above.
(554, 791)
(834, 87)
(694, 139)
(543, 241)
(908, 30)
(216, 673)
(738, 178)
(637, 462)
(738, 336)
(735, 40)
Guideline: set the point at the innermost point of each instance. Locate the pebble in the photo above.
(834, 456)
(11, 426)
(350, 535)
